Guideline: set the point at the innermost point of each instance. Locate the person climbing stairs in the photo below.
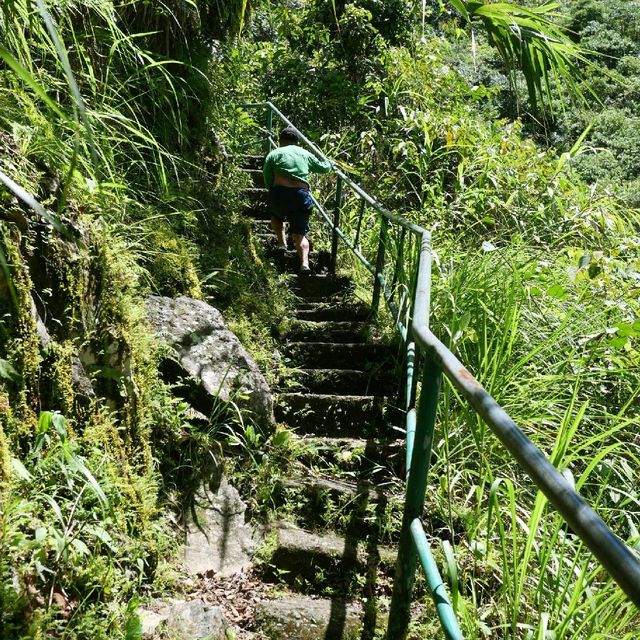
(286, 176)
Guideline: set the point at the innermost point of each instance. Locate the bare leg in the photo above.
(302, 247)
(278, 229)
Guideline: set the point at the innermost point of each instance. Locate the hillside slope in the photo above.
(128, 142)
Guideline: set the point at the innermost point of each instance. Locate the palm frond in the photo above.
(529, 40)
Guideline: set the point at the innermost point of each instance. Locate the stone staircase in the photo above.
(338, 397)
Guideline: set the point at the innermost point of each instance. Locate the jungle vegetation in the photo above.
(118, 118)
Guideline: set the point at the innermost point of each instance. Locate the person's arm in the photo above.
(267, 172)
(318, 166)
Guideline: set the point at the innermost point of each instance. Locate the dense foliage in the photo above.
(108, 118)
(113, 115)
(611, 30)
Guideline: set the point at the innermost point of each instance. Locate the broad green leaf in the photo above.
(133, 626)
(7, 371)
(102, 535)
(56, 509)
(60, 425)
(461, 8)
(80, 547)
(94, 484)
(20, 470)
(44, 422)
(280, 438)
(557, 291)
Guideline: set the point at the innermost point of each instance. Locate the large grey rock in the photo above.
(219, 540)
(210, 354)
(303, 618)
(182, 620)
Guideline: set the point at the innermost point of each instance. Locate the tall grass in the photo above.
(110, 103)
(525, 574)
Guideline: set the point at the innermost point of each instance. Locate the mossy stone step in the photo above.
(373, 459)
(262, 225)
(319, 285)
(328, 330)
(265, 238)
(331, 415)
(257, 194)
(257, 211)
(288, 261)
(296, 617)
(322, 311)
(332, 355)
(337, 488)
(262, 228)
(341, 382)
(257, 177)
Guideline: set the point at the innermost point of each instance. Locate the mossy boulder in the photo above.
(210, 356)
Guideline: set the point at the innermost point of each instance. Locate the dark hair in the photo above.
(289, 135)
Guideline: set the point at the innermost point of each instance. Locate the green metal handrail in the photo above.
(621, 563)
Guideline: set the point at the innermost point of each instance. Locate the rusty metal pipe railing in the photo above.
(614, 555)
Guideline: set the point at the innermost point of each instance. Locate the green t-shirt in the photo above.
(294, 162)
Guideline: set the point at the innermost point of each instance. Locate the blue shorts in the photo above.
(293, 205)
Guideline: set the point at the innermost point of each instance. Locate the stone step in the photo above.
(319, 259)
(307, 561)
(331, 415)
(375, 459)
(178, 618)
(331, 355)
(305, 618)
(326, 330)
(260, 220)
(342, 382)
(319, 285)
(257, 194)
(303, 554)
(342, 505)
(338, 489)
(257, 179)
(322, 311)
(257, 211)
(266, 239)
(288, 262)
(261, 226)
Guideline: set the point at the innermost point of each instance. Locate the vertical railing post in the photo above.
(377, 282)
(336, 225)
(410, 407)
(269, 127)
(414, 502)
(360, 216)
(399, 258)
